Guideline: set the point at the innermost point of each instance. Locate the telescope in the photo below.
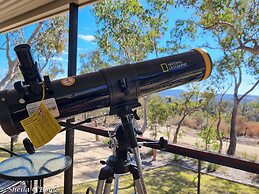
(114, 87)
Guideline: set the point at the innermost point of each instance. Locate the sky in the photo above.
(87, 28)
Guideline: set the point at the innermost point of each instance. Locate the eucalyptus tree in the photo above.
(191, 101)
(234, 28)
(48, 40)
(234, 64)
(130, 31)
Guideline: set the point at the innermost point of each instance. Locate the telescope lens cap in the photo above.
(28, 146)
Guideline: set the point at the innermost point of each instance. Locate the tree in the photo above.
(251, 111)
(221, 85)
(191, 101)
(233, 63)
(234, 22)
(234, 25)
(128, 31)
(158, 113)
(48, 39)
(92, 61)
(208, 133)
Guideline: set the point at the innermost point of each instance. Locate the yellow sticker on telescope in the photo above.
(41, 126)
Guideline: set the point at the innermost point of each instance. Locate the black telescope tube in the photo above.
(110, 87)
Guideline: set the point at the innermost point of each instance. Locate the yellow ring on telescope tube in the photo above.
(207, 60)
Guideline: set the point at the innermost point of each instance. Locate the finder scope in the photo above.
(112, 87)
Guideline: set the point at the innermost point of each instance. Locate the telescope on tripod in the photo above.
(115, 87)
(118, 87)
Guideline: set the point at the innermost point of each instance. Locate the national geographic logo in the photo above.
(173, 66)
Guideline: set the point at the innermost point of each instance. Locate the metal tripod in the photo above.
(122, 142)
(120, 162)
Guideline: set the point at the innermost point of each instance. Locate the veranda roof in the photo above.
(17, 13)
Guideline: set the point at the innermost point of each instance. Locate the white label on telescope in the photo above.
(173, 66)
(49, 103)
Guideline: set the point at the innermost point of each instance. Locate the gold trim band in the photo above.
(207, 60)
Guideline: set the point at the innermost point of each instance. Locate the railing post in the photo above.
(199, 177)
(72, 55)
(12, 145)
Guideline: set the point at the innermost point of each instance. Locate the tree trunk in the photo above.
(219, 122)
(154, 155)
(178, 128)
(233, 134)
(154, 150)
(95, 124)
(144, 126)
(218, 135)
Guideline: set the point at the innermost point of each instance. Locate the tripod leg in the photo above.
(108, 184)
(139, 167)
(137, 180)
(99, 188)
(106, 173)
(116, 184)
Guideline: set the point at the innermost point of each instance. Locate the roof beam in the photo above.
(40, 13)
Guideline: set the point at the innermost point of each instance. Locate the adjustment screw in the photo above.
(21, 101)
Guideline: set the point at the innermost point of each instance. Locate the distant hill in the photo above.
(175, 93)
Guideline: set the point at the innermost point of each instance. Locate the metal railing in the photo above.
(215, 158)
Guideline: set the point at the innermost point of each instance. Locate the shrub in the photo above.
(252, 129)
(200, 119)
(241, 126)
(176, 157)
(106, 141)
(190, 122)
(173, 120)
(211, 167)
(224, 127)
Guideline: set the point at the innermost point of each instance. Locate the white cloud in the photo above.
(64, 52)
(58, 58)
(87, 38)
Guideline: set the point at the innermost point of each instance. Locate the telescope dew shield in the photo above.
(111, 87)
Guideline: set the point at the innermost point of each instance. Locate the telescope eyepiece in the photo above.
(28, 66)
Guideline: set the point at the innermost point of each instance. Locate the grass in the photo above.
(174, 180)
(162, 180)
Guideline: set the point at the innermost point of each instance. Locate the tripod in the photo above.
(123, 141)
(120, 162)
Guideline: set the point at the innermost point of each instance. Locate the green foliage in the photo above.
(106, 141)
(208, 134)
(211, 167)
(129, 30)
(52, 36)
(245, 155)
(234, 26)
(158, 113)
(158, 110)
(250, 110)
(193, 100)
(47, 39)
(92, 61)
(234, 23)
(176, 157)
(49, 45)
